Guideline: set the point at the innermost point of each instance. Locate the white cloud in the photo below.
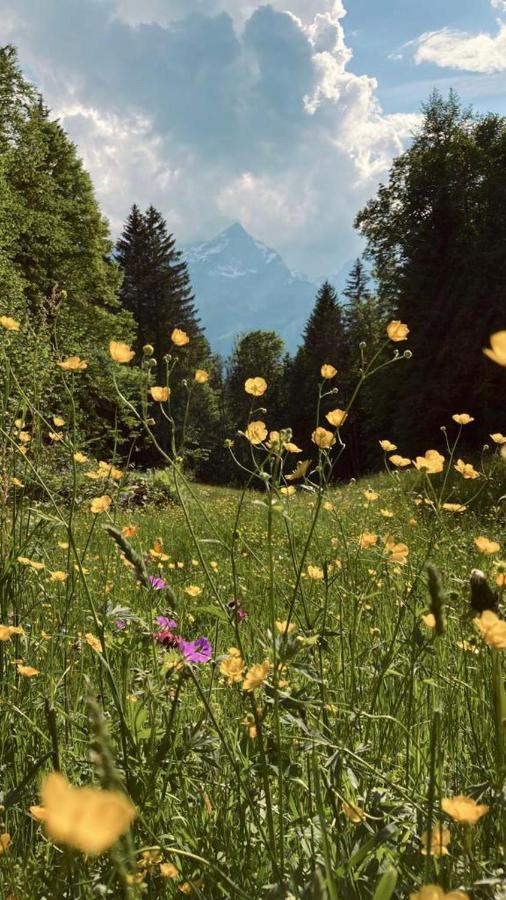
(499, 4)
(480, 52)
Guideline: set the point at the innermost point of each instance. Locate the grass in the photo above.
(319, 782)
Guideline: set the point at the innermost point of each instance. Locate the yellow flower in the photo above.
(397, 331)
(58, 421)
(328, 371)
(168, 870)
(336, 417)
(80, 457)
(58, 576)
(72, 364)
(498, 438)
(9, 324)
(300, 470)
(463, 809)
(192, 590)
(255, 676)
(160, 394)
(255, 386)
(106, 470)
(400, 461)
(38, 813)
(129, 531)
(387, 446)
(367, 540)
(288, 491)
(454, 507)
(232, 666)
(323, 438)
(315, 573)
(498, 345)
(6, 631)
(353, 812)
(439, 840)
(32, 563)
(201, 376)
(285, 627)
(256, 432)
(290, 447)
(493, 629)
(432, 462)
(55, 436)
(429, 620)
(487, 546)
(179, 337)
(93, 642)
(371, 496)
(16, 482)
(120, 352)
(397, 553)
(100, 504)
(466, 469)
(462, 418)
(434, 892)
(27, 671)
(5, 840)
(25, 437)
(85, 818)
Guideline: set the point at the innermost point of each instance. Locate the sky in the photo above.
(284, 116)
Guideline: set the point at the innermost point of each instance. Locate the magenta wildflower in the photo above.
(165, 622)
(198, 651)
(158, 584)
(120, 623)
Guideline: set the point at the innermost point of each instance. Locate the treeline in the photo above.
(435, 258)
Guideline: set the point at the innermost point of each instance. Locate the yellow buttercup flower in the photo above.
(255, 386)
(80, 457)
(93, 642)
(5, 840)
(255, 676)
(290, 447)
(100, 504)
(429, 620)
(431, 463)
(397, 553)
(233, 666)
(285, 627)
(58, 576)
(201, 376)
(485, 545)
(288, 491)
(322, 438)
(328, 371)
(9, 324)
(72, 364)
(466, 469)
(85, 818)
(6, 631)
(160, 394)
(27, 671)
(353, 812)
(492, 628)
(56, 436)
(400, 461)
(193, 590)
(462, 418)
(498, 348)
(120, 352)
(439, 840)
(337, 417)
(434, 892)
(387, 446)
(498, 438)
(179, 337)
(371, 496)
(300, 470)
(454, 507)
(463, 809)
(32, 563)
(315, 573)
(168, 870)
(367, 540)
(397, 331)
(256, 432)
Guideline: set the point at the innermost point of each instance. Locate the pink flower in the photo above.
(198, 651)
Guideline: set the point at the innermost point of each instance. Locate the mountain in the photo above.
(242, 285)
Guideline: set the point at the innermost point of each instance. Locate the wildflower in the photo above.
(439, 840)
(85, 818)
(387, 446)
(498, 438)
(463, 809)
(9, 324)
(73, 364)
(487, 546)
(5, 840)
(467, 647)
(315, 573)
(498, 345)
(429, 620)
(328, 506)
(434, 892)
(256, 387)
(193, 590)
(198, 651)
(300, 470)
(255, 676)
(27, 671)
(38, 813)
(285, 627)
(462, 418)
(179, 337)
(352, 812)
(168, 870)
(25, 437)
(323, 438)
(158, 584)
(120, 624)
(337, 417)
(80, 458)
(367, 539)
(431, 463)
(31, 563)
(58, 576)
(454, 507)
(120, 352)
(397, 331)
(129, 531)
(160, 394)
(492, 628)
(400, 461)
(466, 469)
(232, 666)
(328, 371)
(397, 553)
(55, 436)
(93, 642)
(249, 723)
(290, 447)
(6, 631)
(256, 432)
(15, 482)
(100, 504)
(201, 376)
(165, 635)
(371, 496)
(288, 491)
(386, 513)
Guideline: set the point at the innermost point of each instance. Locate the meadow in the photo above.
(293, 689)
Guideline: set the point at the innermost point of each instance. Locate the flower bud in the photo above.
(150, 422)
(148, 349)
(152, 363)
(362, 345)
(408, 354)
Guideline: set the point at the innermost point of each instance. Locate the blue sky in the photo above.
(284, 116)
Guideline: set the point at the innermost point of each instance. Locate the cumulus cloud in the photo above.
(216, 110)
(480, 52)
